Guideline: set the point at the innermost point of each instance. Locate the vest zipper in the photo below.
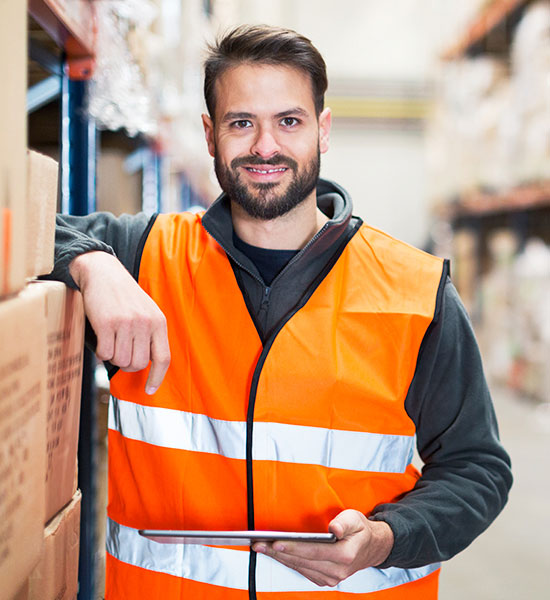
(254, 388)
(259, 365)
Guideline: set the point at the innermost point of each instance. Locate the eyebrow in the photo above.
(291, 112)
(235, 116)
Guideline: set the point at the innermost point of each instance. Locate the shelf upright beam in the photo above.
(78, 197)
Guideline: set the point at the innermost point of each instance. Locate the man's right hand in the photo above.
(130, 328)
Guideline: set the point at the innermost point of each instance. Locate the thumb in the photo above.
(346, 523)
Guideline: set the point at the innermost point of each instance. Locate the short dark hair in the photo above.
(264, 44)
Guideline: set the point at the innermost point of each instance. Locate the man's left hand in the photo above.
(361, 544)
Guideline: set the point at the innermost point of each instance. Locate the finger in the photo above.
(296, 561)
(321, 573)
(308, 550)
(160, 359)
(317, 578)
(320, 579)
(122, 354)
(140, 353)
(105, 347)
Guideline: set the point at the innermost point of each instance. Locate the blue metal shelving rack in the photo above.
(78, 176)
(78, 148)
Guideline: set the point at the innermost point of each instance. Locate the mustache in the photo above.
(278, 159)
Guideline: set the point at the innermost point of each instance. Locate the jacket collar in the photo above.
(332, 199)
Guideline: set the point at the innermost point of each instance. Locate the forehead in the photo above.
(263, 89)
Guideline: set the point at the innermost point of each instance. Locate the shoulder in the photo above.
(414, 279)
(178, 234)
(178, 227)
(394, 253)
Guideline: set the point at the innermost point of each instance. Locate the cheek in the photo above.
(229, 147)
(306, 150)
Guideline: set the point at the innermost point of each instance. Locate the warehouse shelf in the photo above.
(492, 16)
(61, 59)
(521, 198)
(71, 27)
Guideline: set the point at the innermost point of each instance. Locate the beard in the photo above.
(262, 200)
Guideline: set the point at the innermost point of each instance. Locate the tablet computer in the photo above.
(231, 538)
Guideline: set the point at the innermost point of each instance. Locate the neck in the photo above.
(291, 231)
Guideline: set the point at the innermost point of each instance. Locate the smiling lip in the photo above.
(265, 173)
(266, 170)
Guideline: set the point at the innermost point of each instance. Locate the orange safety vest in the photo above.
(276, 437)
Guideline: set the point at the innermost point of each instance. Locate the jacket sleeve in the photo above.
(466, 475)
(122, 236)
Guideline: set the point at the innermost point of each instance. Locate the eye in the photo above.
(241, 124)
(289, 121)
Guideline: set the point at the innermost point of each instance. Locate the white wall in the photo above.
(385, 174)
(364, 38)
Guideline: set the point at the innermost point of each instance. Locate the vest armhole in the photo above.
(141, 246)
(445, 272)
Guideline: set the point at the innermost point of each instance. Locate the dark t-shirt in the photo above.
(268, 262)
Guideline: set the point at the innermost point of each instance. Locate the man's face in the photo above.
(266, 139)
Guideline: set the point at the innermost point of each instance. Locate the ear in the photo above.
(208, 125)
(325, 122)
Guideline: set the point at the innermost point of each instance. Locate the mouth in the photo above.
(267, 173)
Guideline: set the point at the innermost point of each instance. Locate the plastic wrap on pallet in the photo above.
(514, 329)
(531, 271)
(118, 96)
(490, 127)
(530, 62)
(462, 135)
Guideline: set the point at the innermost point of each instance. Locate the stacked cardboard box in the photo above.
(56, 575)
(40, 379)
(42, 326)
(64, 314)
(23, 376)
(13, 142)
(41, 206)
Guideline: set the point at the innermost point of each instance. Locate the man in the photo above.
(308, 352)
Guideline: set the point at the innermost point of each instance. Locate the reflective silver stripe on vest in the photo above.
(229, 568)
(353, 450)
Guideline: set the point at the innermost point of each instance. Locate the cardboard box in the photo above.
(41, 206)
(13, 145)
(112, 175)
(22, 438)
(56, 576)
(64, 312)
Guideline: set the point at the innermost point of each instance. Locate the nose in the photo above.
(265, 143)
